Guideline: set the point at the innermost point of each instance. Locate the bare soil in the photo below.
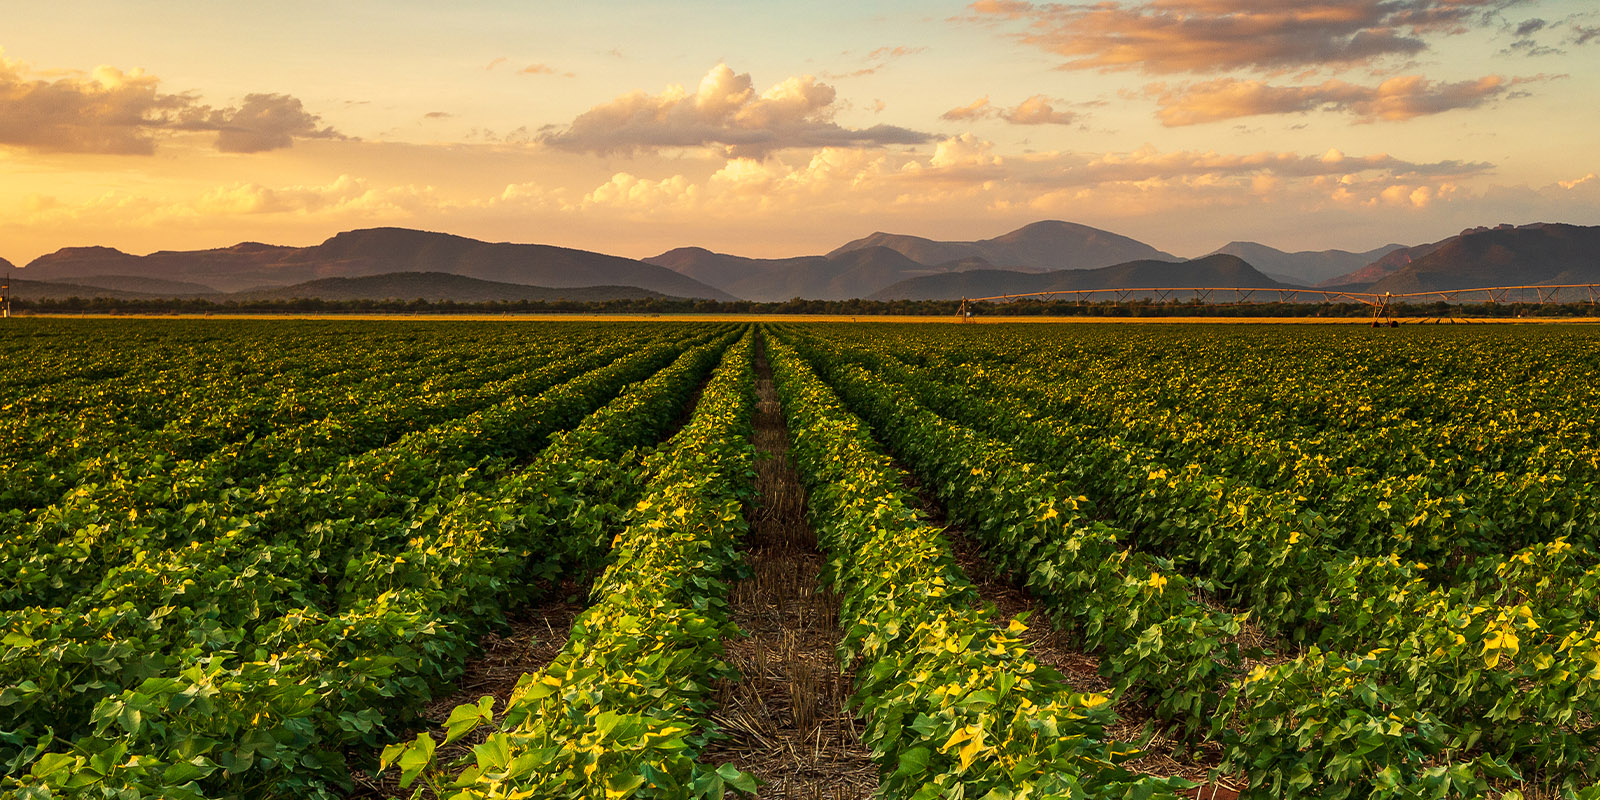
(537, 635)
(786, 720)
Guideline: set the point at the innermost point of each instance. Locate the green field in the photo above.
(252, 558)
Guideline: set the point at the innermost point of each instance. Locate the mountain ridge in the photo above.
(372, 251)
(1218, 269)
(407, 263)
(1041, 246)
(839, 276)
(1506, 255)
(437, 287)
(429, 286)
(1305, 267)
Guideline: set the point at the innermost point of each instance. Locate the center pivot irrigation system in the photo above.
(1382, 304)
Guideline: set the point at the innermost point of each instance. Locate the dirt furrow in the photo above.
(1055, 649)
(786, 719)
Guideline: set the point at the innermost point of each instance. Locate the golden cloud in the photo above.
(1400, 98)
(724, 111)
(1036, 110)
(1167, 36)
(110, 111)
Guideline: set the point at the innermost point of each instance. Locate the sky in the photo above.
(772, 129)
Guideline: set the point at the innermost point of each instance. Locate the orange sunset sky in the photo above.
(769, 129)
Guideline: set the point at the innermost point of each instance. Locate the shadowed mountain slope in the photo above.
(437, 286)
(1541, 253)
(841, 276)
(1213, 270)
(1307, 267)
(1047, 245)
(375, 251)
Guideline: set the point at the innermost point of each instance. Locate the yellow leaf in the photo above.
(961, 735)
(970, 752)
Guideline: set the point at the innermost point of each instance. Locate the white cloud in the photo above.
(725, 112)
(628, 191)
(116, 112)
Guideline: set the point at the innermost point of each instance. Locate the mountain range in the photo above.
(1217, 269)
(1040, 246)
(430, 286)
(836, 276)
(1502, 256)
(396, 263)
(1306, 268)
(354, 254)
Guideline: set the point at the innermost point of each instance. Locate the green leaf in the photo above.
(466, 717)
(54, 765)
(417, 756)
(741, 781)
(624, 784)
(185, 771)
(914, 762)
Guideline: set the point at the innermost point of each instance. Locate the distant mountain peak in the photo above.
(372, 251)
(1306, 267)
(1483, 256)
(1043, 245)
(1215, 270)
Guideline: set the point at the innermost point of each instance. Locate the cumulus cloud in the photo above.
(1036, 110)
(625, 190)
(263, 122)
(723, 111)
(1399, 98)
(110, 111)
(1168, 36)
(966, 169)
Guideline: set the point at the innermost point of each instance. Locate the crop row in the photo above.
(70, 549)
(624, 706)
(218, 414)
(226, 677)
(214, 395)
(1431, 677)
(955, 706)
(1147, 621)
(1365, 436)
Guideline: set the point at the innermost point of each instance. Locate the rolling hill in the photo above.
(437, 286)
(1219, 269)
(1040, 246)
(376, 251)
(144, 285)
(839, 276)
(1389, 264)
(1541, 253)
(51, 290)
(1306, 267)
